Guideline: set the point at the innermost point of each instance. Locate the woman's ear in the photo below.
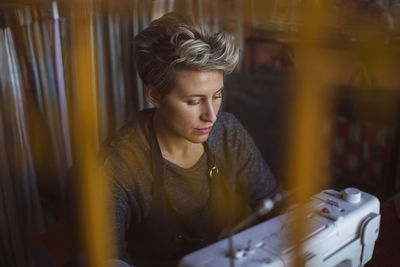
(153, 96)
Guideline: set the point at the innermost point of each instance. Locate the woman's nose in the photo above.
(209, 113)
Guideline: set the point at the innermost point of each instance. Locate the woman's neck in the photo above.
(174, 148)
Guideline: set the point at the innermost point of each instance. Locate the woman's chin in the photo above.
(199, 138)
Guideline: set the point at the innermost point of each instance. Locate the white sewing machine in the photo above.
(342, 230)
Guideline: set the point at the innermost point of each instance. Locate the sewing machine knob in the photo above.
(352, 195)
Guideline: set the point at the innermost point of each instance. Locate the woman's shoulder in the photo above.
(227, 124)
(126, 158)
(128, 148)
(226, 120)
(224, 116)
(226, 130)
(132, 136)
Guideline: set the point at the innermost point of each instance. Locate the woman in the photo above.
(182, 173)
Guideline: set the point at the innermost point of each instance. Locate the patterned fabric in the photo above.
(361, 152)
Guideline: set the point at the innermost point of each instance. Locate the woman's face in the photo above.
(190, 109)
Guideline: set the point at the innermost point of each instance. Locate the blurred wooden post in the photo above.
(309, 111)
(96, 233)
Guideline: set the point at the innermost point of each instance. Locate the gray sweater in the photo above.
(127, 163)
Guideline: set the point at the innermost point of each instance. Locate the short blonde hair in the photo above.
(174, 42)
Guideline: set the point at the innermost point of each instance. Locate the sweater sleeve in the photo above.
(127, 167)
(124, 205)
(252, 172)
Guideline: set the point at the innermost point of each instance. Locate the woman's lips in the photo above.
(204, 130)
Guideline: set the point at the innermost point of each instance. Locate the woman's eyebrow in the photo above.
(202, 95)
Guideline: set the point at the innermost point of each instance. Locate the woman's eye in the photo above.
(218, 96)
(193, 102)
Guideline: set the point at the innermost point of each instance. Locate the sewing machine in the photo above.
(341, 230)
